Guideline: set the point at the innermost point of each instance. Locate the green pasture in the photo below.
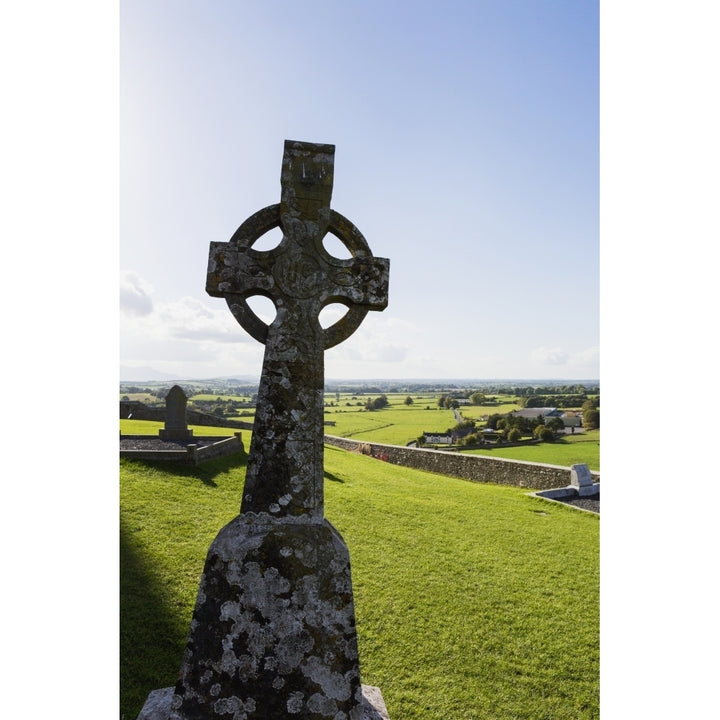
(151, 427)
(209, 397)
(140, 397)
(475, 412)
(466, 594)
(396, 424)
(399, 424)
(580, 448)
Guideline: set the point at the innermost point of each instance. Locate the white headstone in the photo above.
(581, 479)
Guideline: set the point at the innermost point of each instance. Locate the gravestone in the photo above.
(175, 419)
(581, 480)
(273, 630)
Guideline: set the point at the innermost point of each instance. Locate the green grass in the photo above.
(396, 424)
(151, 427)
(581, 448)
(473, 601)
(140, 397)
(399, 424)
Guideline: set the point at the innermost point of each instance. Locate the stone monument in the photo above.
(273, 630)
(581, 480)
(175, 416)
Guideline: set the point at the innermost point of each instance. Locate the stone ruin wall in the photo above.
(477, 468)
(140, 411)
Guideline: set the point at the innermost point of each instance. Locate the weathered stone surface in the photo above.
(274, 626)
(273, 630)
(175, 420)
(285, 473)
(581, 479)
(157, 705)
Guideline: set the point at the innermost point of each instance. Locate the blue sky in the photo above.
(467, 146)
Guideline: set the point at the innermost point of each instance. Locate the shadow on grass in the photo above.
(206, 473)
(152, 637)
(334, 478)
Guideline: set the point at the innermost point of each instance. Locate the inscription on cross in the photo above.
(284, 478)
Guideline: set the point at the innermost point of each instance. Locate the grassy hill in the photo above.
(473, 601)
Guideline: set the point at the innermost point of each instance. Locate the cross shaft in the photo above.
(285, 469)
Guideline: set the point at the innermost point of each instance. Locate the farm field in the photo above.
(399, 424)
(462, 590)
(581, 448)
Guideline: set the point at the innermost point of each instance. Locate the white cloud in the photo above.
(379, 340)
(188, 338)
(550, 356)
(191, 320)
(135, 295)
(589, 357)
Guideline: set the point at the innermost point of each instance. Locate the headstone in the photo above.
(273, 630)
(175, 420)
(581, 480)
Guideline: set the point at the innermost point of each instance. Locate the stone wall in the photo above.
(477, 468)
(140, 411)
(207, 448)
(221, 448)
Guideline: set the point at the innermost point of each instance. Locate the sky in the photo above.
(467, 152)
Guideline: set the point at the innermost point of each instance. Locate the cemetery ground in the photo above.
(399, 423)
(473, 601)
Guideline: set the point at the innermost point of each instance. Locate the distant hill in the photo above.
(143, 374)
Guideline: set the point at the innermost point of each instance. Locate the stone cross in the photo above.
(273, 630)
(285, 468)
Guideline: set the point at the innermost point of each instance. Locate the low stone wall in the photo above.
(191, 453)
(222, 448)
(140, 411)
(477, 468)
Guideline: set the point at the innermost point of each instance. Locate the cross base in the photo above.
(175, 434)
(273, 630)
(157, 705)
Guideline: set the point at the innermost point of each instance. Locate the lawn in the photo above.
(473, 601)
(151, 427)
(396, 424)
(580, 448)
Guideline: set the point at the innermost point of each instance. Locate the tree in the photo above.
(377, 404)
(589, 404)
(477, 398)
(544, 433)
(556, 424)
(493, 420)
(591, 419)
(514, 435)
(408, 400)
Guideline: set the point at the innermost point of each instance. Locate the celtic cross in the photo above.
(284, 478)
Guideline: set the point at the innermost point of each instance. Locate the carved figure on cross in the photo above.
(284, 478)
